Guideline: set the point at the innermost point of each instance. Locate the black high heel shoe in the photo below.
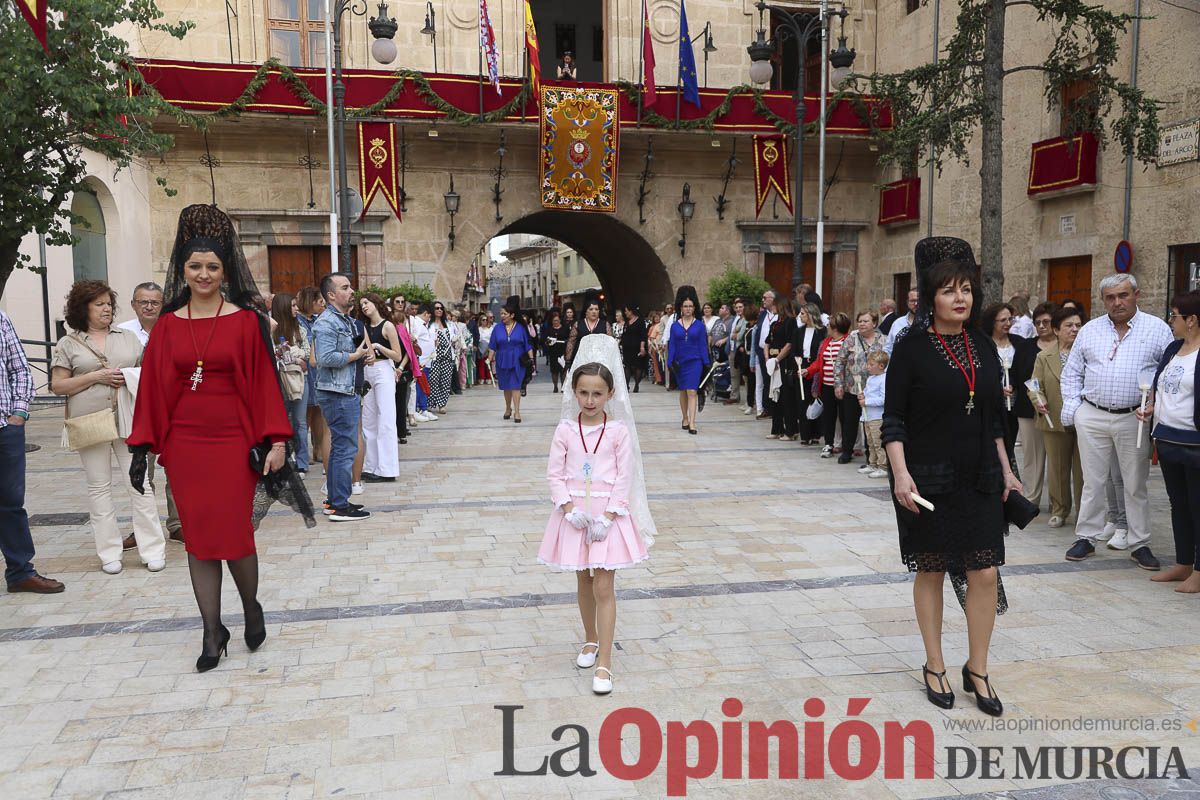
(206, 662)
(254, 640)
(939, 699)
(988, 705)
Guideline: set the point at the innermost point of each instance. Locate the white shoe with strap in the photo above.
(585, 659)
(602, 685)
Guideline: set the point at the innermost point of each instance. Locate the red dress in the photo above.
(203, 437)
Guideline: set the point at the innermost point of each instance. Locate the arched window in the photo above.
(89, 255)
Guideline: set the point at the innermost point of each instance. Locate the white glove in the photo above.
(598, 530)
(578, 519)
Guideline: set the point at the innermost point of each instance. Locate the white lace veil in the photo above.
(602, 349)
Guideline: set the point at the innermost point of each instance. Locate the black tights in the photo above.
(206, 583)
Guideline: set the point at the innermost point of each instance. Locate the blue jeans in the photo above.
(422, 398)
(341, 412)
(297, 411)
(16, 542)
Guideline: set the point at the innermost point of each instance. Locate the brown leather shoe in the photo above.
(130, 543)
(38, 584)
(176, 536)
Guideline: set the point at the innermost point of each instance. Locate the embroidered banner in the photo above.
(579, 140)
(377, 164)
(771, 170)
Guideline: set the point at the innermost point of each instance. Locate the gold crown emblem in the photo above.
(378, 154)
(579, 134)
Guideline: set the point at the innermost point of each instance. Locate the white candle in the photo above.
(1007, 384)
(1145, 387)
(921, 501)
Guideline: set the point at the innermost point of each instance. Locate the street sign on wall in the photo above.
(1178, 143)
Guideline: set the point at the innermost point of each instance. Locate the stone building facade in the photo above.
(283, 209)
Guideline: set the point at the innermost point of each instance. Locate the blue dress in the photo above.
(508, 350)
(687, 352)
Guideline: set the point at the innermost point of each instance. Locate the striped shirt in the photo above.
(830, 366)
(16, 380)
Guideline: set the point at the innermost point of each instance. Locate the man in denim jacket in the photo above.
(336, 354)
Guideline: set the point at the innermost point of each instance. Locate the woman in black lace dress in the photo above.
(943, 428)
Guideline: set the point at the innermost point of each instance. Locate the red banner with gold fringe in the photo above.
(771, 170)
(377, 164)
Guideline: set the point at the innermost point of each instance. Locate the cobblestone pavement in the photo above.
(775, 579)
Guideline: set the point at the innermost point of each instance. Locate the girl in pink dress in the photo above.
(600, 522)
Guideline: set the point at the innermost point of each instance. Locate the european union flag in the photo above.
(688, 82)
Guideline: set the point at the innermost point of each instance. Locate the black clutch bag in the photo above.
(1018, 510)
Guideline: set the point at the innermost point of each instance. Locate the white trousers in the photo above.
(1103, 438)
(382, 455)
(1033, 460)
(147, 530)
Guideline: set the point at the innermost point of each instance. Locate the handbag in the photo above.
(815, 409)
(91, 429)
(1018, 510)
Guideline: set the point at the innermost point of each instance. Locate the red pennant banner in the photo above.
(771, 170)
(34, 12)
(377, 164)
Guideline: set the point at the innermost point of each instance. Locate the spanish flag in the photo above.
(34, 12)
(531, 48)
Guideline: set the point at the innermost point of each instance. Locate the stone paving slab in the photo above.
(774, 579)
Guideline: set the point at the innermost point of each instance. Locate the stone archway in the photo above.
(629, 269)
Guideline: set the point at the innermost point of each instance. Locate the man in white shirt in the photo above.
(426, 338)
(766, 318)
(664, 339)
(900, 323)
(1112, 358)
(147, 306)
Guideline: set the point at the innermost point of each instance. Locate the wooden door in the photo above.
(291, 268)
(294, 267)
(901, 286)
(1070, 279)
(777, 270)
(810, 277)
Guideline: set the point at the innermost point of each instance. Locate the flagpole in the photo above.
(642, 64)
(819, 275)
(679, 71)
(333, 214)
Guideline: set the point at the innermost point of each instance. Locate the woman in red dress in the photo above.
(207, 395)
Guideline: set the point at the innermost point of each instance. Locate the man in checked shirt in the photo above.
(16, 542)
(1113, 357)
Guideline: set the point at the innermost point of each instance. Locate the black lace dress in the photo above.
(950, 453)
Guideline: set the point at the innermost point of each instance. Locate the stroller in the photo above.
(717, 381)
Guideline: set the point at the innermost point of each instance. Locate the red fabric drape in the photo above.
(1063, 162)
(207, 87)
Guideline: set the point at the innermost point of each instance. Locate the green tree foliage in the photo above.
(58, 104)
(734, 283)
(937, 108)
(411, 292)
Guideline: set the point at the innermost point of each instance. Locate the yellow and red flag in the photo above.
(649, 93)
(34, 12)
(531, 49)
